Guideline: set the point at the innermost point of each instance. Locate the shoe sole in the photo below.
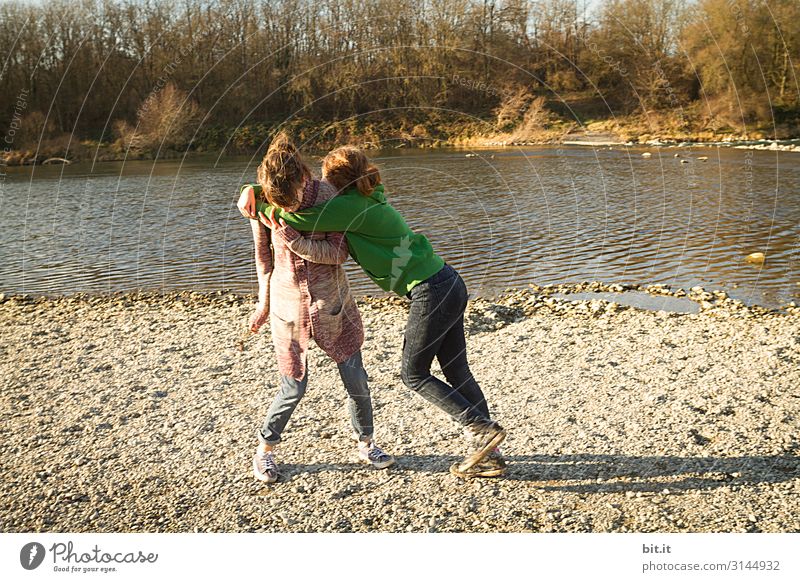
(383, 465)
(455, 470)
(264, 479)
(478, 456)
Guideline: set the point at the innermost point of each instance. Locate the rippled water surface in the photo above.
(505, 218)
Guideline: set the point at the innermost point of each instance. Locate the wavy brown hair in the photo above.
(282, 173)
(348, 167)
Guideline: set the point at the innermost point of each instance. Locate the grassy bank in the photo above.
(553, 123)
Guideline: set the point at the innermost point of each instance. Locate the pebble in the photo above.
(755, 258)
(594, 400)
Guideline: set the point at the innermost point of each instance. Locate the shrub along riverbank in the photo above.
(422, 132)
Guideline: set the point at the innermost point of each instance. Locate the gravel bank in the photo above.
(137, 413)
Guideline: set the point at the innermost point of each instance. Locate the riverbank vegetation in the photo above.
(132, 78)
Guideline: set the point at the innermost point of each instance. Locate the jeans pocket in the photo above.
(452, 296)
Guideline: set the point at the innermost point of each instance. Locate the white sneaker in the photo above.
(371, 453)
(264, 467)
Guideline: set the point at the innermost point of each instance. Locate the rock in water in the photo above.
(756, 258)
(646, 154)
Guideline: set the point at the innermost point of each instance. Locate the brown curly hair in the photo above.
(348, 167)
(282, 173)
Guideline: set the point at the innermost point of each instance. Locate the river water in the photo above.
(505, 218)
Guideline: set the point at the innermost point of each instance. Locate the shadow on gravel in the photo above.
(647, 474)
(614, 472)
(289, 470)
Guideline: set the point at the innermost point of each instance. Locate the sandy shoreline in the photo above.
(137, 413)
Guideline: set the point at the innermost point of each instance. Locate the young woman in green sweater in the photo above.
(401, 261)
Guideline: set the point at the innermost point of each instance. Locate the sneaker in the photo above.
(483, 440)
(489, 467)
(469, 436)
(371, 453)
(496, 457)
(264, 467)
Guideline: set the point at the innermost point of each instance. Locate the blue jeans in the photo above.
(359, 403)
(436, 329)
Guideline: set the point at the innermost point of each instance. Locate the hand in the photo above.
(247, 202)
(258, 318)
(270, 221)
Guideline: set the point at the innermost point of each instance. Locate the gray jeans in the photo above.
(359, 403)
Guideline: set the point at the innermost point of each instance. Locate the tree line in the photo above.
(200, 73)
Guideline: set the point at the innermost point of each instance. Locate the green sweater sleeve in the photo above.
(345, 213)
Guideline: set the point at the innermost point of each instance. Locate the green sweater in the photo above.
(378, 237)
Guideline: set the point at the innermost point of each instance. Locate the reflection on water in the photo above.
(506, 218)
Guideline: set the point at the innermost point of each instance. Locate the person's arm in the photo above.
(247, 200)
(345, 213)
(332, 250)
(263, 258)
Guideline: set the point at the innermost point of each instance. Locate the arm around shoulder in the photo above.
(331, 250)
(345, 213)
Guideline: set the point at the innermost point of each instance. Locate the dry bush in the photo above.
(522, 112)
(166, 119)
(513, 105)
(126, 134)
(35, 138)
(535, 119)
